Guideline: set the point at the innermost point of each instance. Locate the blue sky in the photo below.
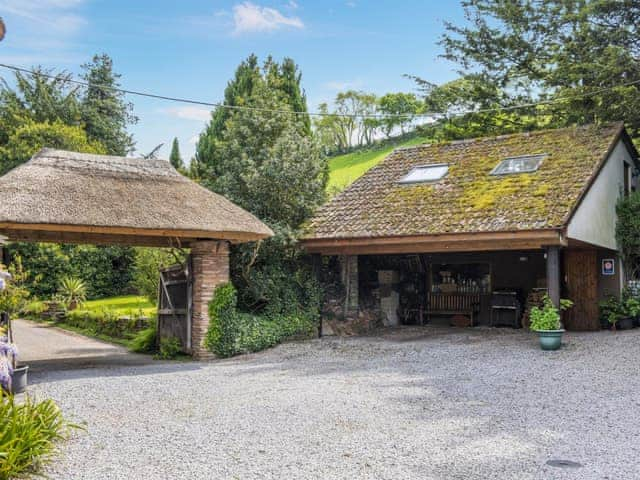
(191, 48)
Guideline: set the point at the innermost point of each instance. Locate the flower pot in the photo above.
(550, 339)
(19, 379)
(624, 323)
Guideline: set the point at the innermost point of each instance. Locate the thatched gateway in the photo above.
(70, 197)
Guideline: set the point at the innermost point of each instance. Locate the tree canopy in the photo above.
(580, 54)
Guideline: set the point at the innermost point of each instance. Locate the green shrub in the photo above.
(104, 322)
(170, 348)
(232, 332)
(145, 340)
(33, 309)
(73, 292)
(28, 432)
(547, 317)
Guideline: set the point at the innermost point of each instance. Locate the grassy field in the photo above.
(345, 169)
(125, 305)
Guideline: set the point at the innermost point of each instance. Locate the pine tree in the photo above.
(175, 158)
(105, 112)
(283, 79)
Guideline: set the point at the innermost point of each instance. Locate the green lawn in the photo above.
(345, 169)
(125, 305)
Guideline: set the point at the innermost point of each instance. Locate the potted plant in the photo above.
(545, 321)
(632, 309)
(73, 292)
(618, 314)
(13, 297)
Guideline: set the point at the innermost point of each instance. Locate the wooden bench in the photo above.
(453, 304)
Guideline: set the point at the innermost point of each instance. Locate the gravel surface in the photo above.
(415, 403)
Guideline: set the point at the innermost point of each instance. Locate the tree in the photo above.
(284, 79)
(28, 139)
(36, 99)
(174, 157)
(265, 163)
(580, 54)
(400, 107)
(105, 112)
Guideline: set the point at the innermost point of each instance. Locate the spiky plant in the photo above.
(73, 292)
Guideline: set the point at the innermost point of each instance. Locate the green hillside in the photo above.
(345, 169)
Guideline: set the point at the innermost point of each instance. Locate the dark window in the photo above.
(627, 178)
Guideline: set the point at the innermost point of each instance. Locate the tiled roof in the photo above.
(470, 199)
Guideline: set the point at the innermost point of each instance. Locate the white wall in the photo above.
(595, 220)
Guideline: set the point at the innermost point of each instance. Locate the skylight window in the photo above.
(426, 173)
(522, 164)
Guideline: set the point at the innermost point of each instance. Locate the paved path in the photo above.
(48, 348)
(424, 403)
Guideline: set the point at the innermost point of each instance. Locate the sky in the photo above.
(191, 48)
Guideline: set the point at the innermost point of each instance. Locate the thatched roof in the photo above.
(59, 193)
(469, 199)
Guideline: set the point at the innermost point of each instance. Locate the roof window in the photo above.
(426, 173)
(521, 164)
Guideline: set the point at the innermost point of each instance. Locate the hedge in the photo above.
(232, 332)
(107, 323)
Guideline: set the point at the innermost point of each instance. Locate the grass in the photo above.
(29, 431)
(125, 305)
(345, 169)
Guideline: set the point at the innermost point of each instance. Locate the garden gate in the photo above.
(175, 305)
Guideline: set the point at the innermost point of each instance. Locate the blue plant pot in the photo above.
(550, 339)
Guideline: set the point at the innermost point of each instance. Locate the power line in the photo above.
(378, 116)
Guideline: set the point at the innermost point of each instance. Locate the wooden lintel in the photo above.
(189, 235)
(438, 243)
(93, 239)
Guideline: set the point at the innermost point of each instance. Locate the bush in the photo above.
(28, 432)
(169, 348)
(232, 332)
(33, 309)
(145, 340)
(547, 317)
(105, 322)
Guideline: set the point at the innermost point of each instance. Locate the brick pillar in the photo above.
(210, 263)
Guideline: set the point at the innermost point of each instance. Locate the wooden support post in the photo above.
(350, 278)
(553, 274)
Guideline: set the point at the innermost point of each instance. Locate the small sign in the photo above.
(608, 266)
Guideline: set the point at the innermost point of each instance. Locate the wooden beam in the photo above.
(466, 242)
(235, 237)
(95, 239)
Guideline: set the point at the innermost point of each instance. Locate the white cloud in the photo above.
(53, 13)
(351, 4)
(189, 113)
(42, 31)
(249, 17)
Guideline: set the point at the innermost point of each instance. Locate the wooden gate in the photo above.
(581, 284)
(174, 309)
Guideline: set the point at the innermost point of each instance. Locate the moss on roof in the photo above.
(469, 198)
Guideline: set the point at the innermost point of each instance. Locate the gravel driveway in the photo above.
(429, 403)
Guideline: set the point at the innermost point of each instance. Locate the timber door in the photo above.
(581, 287)
(174, 309)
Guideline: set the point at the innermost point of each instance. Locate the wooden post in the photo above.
(350, 278)
(553, 274)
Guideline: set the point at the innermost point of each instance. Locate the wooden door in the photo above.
(174, 309)
(581, 287)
